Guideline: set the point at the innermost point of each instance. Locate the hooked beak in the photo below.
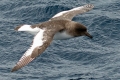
(87, 34)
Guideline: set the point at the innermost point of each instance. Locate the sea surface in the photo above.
(78, 58)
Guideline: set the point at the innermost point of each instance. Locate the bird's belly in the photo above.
(62, 35)
(57, 36)
(33, 32)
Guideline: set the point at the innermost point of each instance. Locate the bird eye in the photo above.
(81, 29)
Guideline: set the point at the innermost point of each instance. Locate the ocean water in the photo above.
(78, 58)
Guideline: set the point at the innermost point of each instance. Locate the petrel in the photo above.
(58, 27)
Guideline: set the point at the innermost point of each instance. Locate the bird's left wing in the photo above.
(69, 14)
(40, 42)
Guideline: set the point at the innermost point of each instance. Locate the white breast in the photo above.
(62, 35)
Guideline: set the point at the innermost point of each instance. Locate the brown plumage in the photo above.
(59, 26)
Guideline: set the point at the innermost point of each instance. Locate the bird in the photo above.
(59, 27)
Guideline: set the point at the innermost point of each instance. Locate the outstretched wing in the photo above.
(69, 14)
(40, 42)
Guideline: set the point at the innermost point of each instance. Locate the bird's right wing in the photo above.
(40, 42)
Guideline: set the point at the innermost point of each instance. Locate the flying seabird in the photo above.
(59, 26)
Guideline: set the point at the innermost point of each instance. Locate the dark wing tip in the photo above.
(14, 69)
(18, 27)
(23, 61)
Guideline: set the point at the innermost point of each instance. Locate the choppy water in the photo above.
(73, 59)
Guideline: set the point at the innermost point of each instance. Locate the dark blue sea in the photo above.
(78, 58)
